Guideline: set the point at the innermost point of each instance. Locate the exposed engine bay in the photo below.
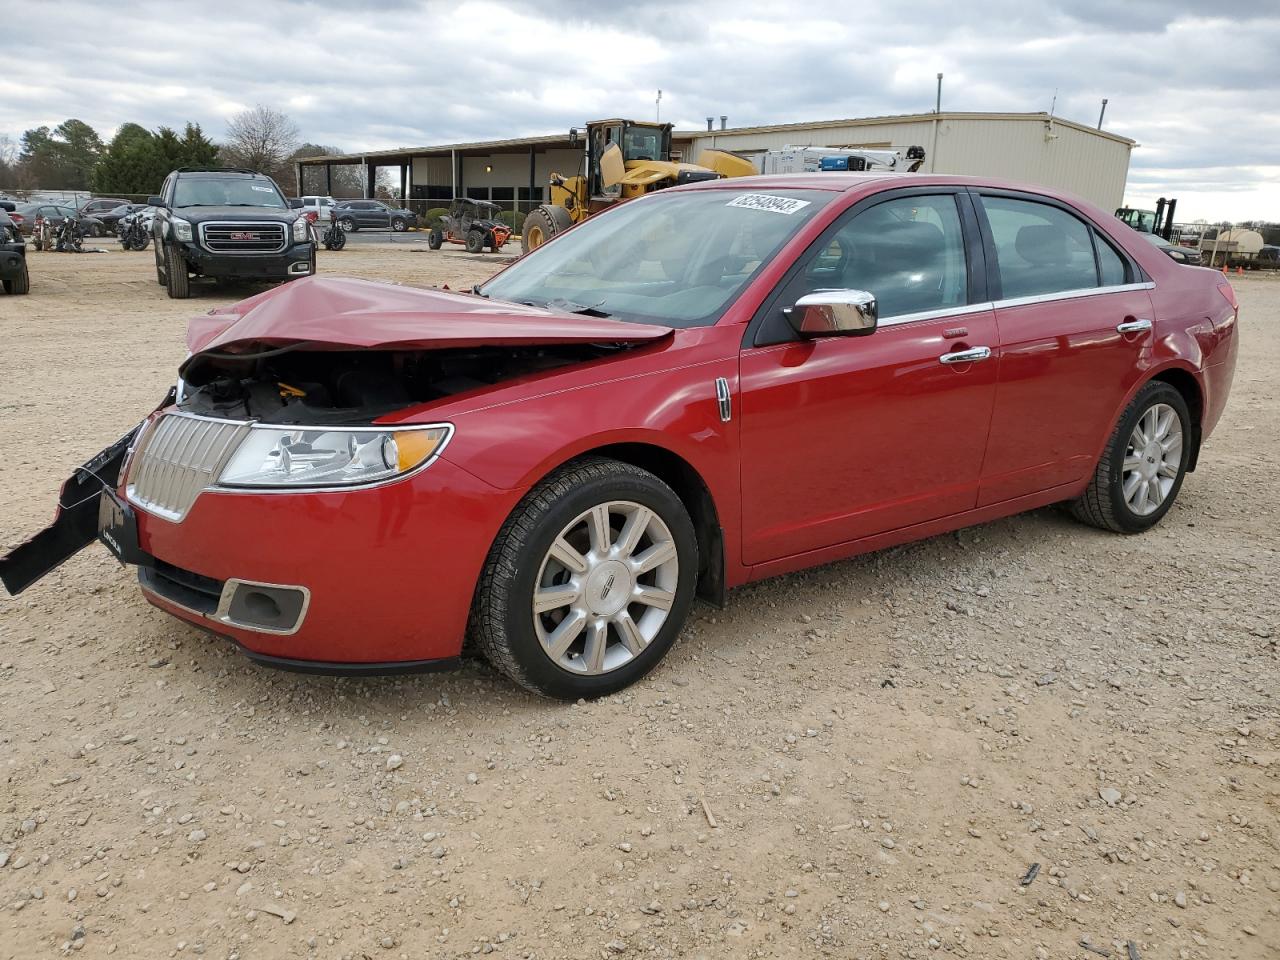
(301, 385)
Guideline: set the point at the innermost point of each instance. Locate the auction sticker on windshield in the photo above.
(769, 202)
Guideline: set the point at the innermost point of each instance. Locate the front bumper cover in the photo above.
(293, 261)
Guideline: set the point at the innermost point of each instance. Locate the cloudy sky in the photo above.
(1195, 88)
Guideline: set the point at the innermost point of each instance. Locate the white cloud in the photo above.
(363, 75)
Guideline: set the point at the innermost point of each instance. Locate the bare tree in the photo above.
(261, 139)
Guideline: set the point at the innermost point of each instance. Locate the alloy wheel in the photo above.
(605, 588)
(1152, 459)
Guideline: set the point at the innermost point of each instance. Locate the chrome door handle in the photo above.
(966, 356)
(1133, 326)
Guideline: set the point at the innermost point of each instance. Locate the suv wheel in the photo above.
(21, 283)
(588, 582)
(475, 242)
(177, 280)
(399, 224)
(349, 224)
(1142, 469)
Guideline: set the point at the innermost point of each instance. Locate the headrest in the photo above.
(1042, 244)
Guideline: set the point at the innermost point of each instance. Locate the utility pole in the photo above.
(1102, 113)
(657, 107)
(937, 106)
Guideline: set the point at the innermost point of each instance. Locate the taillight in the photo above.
(17, 218)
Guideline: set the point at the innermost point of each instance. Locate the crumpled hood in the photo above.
(342, 313)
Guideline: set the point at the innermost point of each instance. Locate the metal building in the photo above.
(1032, 147)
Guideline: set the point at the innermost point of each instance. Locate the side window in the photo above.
(1112, 269)
(908, 252)
(1039, 248)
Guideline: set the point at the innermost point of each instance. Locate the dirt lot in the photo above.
(859, 761)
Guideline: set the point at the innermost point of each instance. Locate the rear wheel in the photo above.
(19, 284)
(588, 582)
(1142, 469)
(399, 224)
(435, 239)
(177, 280)
(475, 242)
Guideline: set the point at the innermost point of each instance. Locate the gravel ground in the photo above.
(861, 761)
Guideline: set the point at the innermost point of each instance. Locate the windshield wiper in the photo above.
(584, 309)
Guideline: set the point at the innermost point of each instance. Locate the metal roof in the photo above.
(520, 144)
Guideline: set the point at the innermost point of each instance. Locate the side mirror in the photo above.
(573, 136)
(156, 201)
(8, 205)
(834, 313)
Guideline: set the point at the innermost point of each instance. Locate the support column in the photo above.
(370, 179)
(404, 183)
(328, 179)
(297, 178)
(533, 179)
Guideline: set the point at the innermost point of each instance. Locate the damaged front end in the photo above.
(285, 392)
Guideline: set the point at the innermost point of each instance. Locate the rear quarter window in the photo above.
(1040, 249)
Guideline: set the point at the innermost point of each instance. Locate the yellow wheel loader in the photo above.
(623, 159)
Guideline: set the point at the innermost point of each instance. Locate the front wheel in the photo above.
(588, 582)
(399, 224)
(348, 224)
(177, 280)
(335, 238)
(1142, 468)
(21, 283)
(435, 239)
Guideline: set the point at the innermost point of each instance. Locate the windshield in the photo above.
(642, 143)
(674, 258)
(226, 192)
(1157, 240)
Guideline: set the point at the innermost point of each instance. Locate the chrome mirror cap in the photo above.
(835, 313)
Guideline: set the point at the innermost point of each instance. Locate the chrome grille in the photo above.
(223, 237)
(178, 458)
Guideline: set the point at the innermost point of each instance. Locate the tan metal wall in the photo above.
(1095, 167)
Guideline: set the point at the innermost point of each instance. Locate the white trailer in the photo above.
(809, 159)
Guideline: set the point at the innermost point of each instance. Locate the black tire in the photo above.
(399, 224)
(94, 230)
(435, 239)
(1103, 504)
(177, 280)
(501, 623)
(349, 224)
(475, 242)
(20, 284)
(541, 225)
(337, 239)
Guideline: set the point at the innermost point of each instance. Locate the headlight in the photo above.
(1177, 255)
(320, 457)
(300, 231)
(181, 229)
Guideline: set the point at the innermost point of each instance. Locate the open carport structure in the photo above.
(512, 173)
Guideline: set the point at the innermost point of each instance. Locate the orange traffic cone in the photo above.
(1224, 269)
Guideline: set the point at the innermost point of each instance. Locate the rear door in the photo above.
(1075, 323)
(847, 437)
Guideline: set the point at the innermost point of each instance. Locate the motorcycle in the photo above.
(134, 230)
(68, 236)
(42, 234)
(334, 237)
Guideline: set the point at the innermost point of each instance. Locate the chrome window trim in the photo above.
(223, 613)
(972, 308)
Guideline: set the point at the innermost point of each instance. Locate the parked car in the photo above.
(1187, 255)
(319, 210)
(355, 214)
(14, 277)
(101, 206)
(227, 223)
(111, 218)
(693, 390)
(55, 213)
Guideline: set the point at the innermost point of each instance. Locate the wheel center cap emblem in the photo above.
(608, 588)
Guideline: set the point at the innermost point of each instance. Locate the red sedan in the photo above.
(696, 389)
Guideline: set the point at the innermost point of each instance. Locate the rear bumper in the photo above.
(293, 261)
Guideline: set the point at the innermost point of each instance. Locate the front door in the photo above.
(1073, 330)
(847, 437)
